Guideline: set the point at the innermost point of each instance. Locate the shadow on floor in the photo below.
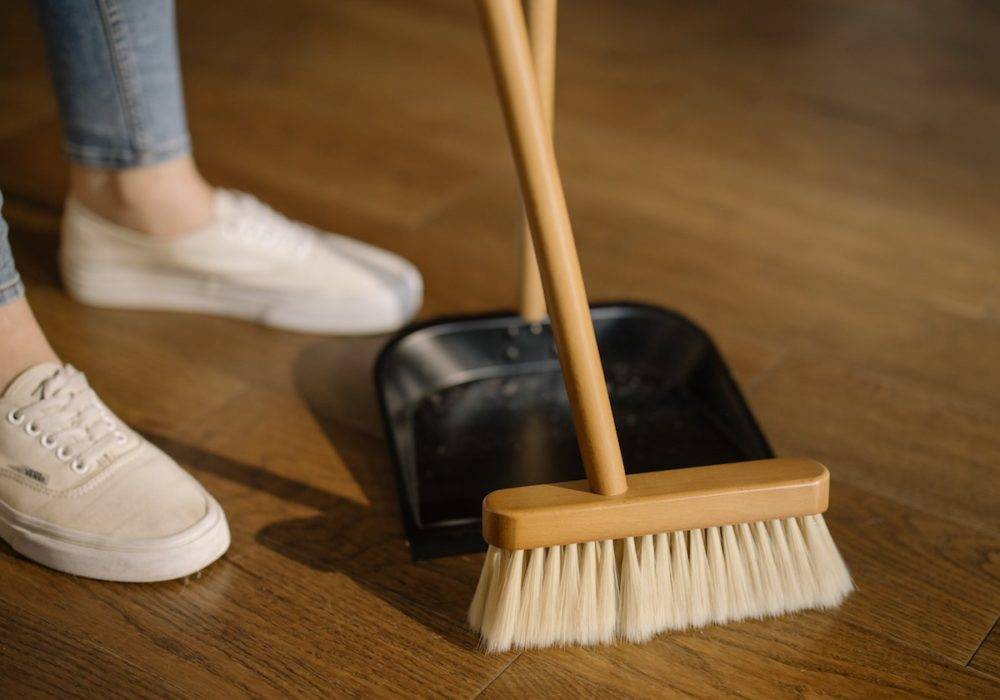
(334, 377)
(365, 543)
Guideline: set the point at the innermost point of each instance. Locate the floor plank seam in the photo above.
(502, 671)
(982, 641)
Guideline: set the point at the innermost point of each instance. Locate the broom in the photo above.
(619, 557)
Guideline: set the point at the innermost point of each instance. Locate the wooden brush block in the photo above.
(667, 501)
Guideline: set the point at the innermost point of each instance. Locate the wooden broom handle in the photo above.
(542, 16)
(553, 241)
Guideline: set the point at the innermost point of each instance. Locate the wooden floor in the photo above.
(818, 183)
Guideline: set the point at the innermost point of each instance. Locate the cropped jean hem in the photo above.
(119, 158)
(11, 290)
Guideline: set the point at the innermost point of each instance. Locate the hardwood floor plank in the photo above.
(987, 656)
(98, 615)
(39, 658)
(809, 656)
(928, 582)
(919, 447)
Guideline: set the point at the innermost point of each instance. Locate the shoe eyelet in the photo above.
(78, 466)
(62, 453)
(120, 438)
(32, 429)
(48, 442)
(13, 417)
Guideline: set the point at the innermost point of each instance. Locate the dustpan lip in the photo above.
(411, 329)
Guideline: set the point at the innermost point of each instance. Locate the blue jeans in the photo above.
(118, 82)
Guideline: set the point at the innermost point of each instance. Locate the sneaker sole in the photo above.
(110, 286)
(161, 559)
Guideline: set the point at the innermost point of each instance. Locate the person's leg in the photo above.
(22, 343)
(142, 228)
(58, 445)
(118, 82)
(81, 492)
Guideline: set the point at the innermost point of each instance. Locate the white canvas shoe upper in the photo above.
(250, 262)
(82, 493)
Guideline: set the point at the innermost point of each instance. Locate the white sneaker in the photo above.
(251, 262)
(81, 493)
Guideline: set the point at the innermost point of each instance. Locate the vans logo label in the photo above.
(30, 473)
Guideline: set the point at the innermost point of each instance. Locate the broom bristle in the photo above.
(597, 593)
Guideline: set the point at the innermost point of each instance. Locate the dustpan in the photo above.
(472, 404)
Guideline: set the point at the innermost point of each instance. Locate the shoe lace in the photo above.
(255, 222)
(70, 419)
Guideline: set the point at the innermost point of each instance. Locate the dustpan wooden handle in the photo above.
(542, 16)
(554, 246)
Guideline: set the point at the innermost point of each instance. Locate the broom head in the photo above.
(679, 549)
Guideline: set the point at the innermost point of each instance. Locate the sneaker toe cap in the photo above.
(148, 497)
(360, 287)
(385, 265)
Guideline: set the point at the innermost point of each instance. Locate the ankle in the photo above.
(168, 199)
(22, 343)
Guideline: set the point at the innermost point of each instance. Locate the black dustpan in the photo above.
(477, 403)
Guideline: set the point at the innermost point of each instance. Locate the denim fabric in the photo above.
(10, 283)
(118, 81)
